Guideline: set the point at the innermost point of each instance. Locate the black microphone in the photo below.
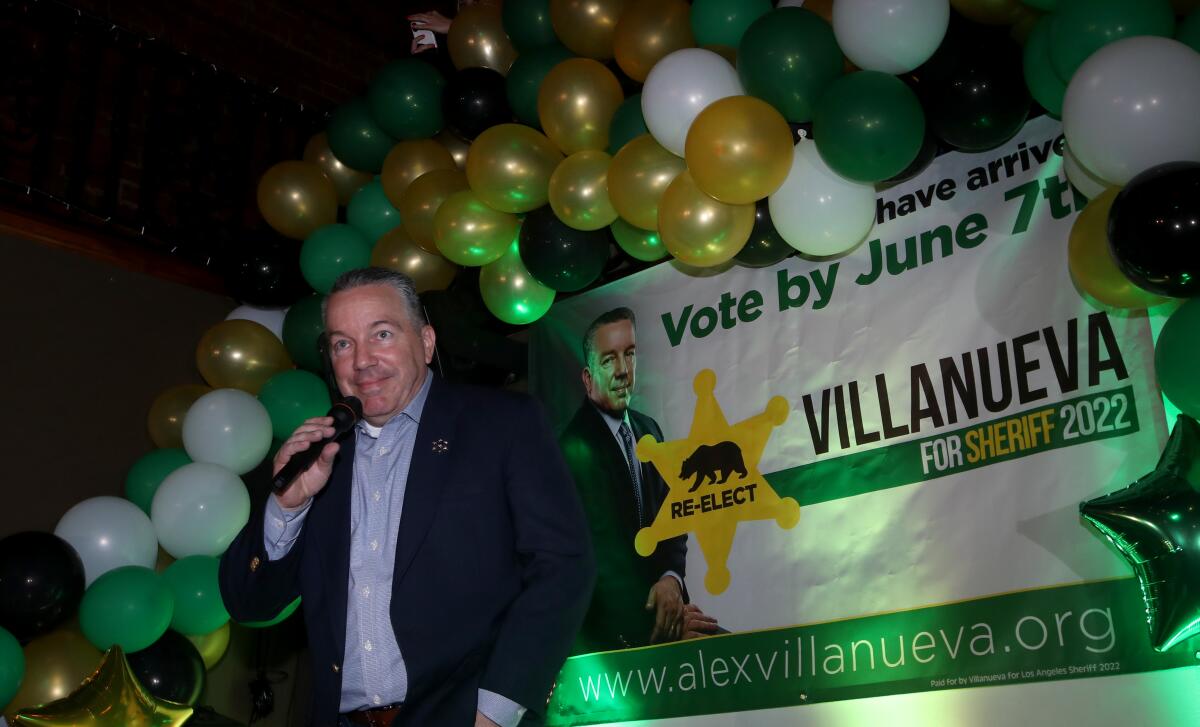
(346, 414)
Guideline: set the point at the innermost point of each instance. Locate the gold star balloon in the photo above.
(112, 697)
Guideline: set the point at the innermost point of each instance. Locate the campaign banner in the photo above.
(866, 470)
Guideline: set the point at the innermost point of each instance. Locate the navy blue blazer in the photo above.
(493, 571)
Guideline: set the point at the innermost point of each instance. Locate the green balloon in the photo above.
(371, 213)
(1189, 31)
(292, 396)
(148, 473)
(129, 606)
(527, 23)
(1044, 84)
(787, 57)
(1175, 357)
(525, 78)
(288, 610)
(405, 98)
(302, 328)
(869, 126)
(331, 251)
(1046, 5)
(627, 124)
(510, 292)
(723, 22)
(639, 244)
(1082, 27)
(199, 609)
(12, 666)
(355, 139)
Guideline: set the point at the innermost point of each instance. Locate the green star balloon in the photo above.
(1155, 523)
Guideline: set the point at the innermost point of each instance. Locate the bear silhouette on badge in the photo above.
(709, 460)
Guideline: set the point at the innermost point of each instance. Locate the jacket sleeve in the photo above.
(253, 587)
(554, 547)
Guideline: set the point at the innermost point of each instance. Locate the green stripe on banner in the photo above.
(1074, 421)
(1062, 632)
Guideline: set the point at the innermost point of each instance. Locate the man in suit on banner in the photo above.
(637, 601)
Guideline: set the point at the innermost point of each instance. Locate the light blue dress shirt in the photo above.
(373, 669)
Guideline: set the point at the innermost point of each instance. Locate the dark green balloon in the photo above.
(290, 397)
(371, 213)
(129, 606)
(332, 250)
(525, 78)
(1044, 84)
(148, 473)
(627, 124)
(723, 22)
(1189, 31)
(405, 97)
(1082, 27)
(787, 58)
(302, 327)
(198, 605)
(765, 246)
(558, 256)
(527, 23)
(12, 665)
(355, 139)
(869, 126)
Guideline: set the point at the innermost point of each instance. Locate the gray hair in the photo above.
(612, 316)
(380, 276)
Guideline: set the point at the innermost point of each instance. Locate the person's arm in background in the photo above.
(432, 20)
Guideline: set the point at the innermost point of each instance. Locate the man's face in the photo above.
(378, 354)
(608, 377)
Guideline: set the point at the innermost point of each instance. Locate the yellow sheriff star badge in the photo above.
(714, 481)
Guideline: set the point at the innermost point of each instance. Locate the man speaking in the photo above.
(440, 548)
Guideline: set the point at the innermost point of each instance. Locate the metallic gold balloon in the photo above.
(509, 167)
(240, 354)
(345, 180)
(990, 12)
(698, 229)
(579, 191)
(576, 103)
(824, 8)
(212, 646)
(468, 232)
(111, 697)
(649, 30)
(637, 178)
(639, 244)
(397, 251)
(586, 27)
(511, 293)
(739, 149)
(456, 145)
(727, 52)
(1092, 266)
(165, 420)
(421, 200)
(408, 160)
(55, 665)
(296, 198)
(477, 39)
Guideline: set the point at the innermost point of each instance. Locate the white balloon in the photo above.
(108, 532)
(1133, 105)
(199, 509)
(269, 318)
(892, 36)
(1089, 184)
(679, 87)
(227, 427)
(817, 211)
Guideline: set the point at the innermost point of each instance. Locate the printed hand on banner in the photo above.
(696, 623)
(666, 600)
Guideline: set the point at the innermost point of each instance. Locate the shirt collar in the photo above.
(614, 423)
(412, 411)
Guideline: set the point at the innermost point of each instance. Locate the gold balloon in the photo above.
(698, 229)
(240, 354)
(346, 181)
(1023, 25)
(990, 12)
(212, 646)
(579, 191)
(111, 697)
(55, 665)
(477, 39)
(639, 244)
(469, 232)
(727, 52)
(739, 149)
(576, 103)
(637, 178)
(397, 251)
(421, 200)
(408, 160)
(824, 8)
(586, 27)
(649, 30)
(165, 420)
(509, 167)
(296, 198)
(1091, 265)
(456, 145)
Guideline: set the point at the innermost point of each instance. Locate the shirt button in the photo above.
(367, 645)
(374, 545)
(366, 591)
(384, 450)
(377, 495)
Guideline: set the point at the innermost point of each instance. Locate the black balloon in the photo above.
(561, 257)
(973, 88)
(1154, 229)
(765, 246)
(473, 100)
(265, 273)
(41, 583)
(925, 156)
(170, 668)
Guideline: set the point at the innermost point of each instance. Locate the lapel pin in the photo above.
(440, 446)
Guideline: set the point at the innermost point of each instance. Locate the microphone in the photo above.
(346, 414)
